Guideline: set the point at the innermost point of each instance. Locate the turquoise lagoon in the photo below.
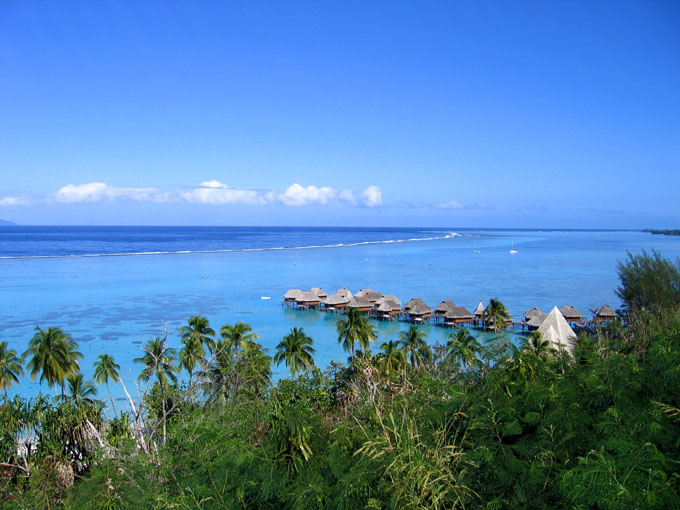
(113, 304)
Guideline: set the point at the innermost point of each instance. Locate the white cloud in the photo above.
(213, 184)
(298, 195)
(216, 193)
(101, 192)
(451, 204)
(10, 201)
(372, 196)
(347, 195)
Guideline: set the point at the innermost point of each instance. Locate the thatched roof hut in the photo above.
(360, 303)
(558, 332)
(570, 313)
(387, 305)
(387, 309)
(536, 320)
(369, 294)
(458, 315)
(412, 302)
(444, 307)
(417, 309)
(340, 299)
(322, 294)
(292, 295)
(308, 299)
(531, 313)
(388, 297)
(605, 313)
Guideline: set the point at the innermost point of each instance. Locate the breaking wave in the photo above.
(236, 250)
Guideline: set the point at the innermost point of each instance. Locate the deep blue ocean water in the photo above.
(65, 276)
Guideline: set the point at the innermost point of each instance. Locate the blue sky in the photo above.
(497, 114)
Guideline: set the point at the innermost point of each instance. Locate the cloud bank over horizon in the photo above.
(211, 192)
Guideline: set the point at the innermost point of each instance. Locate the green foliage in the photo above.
(355, 329)
(295, 351)
(481, 426)
(649, 282)
(10, 368)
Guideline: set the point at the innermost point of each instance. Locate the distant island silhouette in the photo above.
(6, 223)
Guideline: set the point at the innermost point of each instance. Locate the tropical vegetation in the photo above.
(468, 424)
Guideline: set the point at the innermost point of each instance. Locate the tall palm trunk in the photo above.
(163, 402)
(115, 414)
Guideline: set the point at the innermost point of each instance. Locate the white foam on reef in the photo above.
(235, 250)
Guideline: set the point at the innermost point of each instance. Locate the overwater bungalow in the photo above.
(531, 313)
(360, 303)
(291, 297)
(570, 313)
(322, 294)
(389, 297)
(535, 320)
(458, 315)
(443, 307)
(417, 310)
(387, 307)
(387, 310)
(368, 294)
(308, 300)
(338, 300)
(556, 330)
(604, 313)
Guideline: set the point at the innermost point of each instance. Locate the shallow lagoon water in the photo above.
(113, 304)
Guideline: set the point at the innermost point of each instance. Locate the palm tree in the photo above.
(415, 348)
(191, 354)
(496, 315)
(54, 356)
(539, 347)
(106, 368)
(463, 347)
(200, 331)
(79, 391)
(391, 360)
(238, 336)
(296, 351)
(355, 328)
(10, 368)
(159, 360)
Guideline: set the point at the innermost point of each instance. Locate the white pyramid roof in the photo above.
(557, 331)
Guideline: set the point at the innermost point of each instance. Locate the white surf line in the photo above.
(230, 250)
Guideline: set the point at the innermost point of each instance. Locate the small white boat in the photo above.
(512, 250)
(266, 297)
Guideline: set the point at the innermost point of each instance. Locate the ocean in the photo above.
(113, 288)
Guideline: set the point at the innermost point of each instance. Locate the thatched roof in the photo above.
(530, 313)
(344, 293)
(562, 337)
(293, 294)
(536, 320)
(605, 312)
(458, 313)
(369, 294)
(339, 298)
(419, 308)
(308, 297)
(389, 297)
(360, 302)
(409, 304)
(570, 312)
(384, 307)
(444, 307)
(319, 292)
